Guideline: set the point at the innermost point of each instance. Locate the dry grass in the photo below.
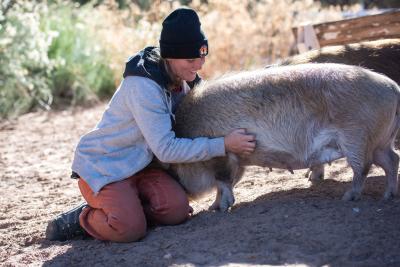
(242, 34)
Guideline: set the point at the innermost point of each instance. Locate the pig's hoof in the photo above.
(226, 202)
(316, 177)
(389, 194)
(223, 204)
(351, 196)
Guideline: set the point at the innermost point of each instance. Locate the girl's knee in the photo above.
(115, 227)
(175, 211)
(167, 202)
(127, 230)
(181, 212)
(131, 234)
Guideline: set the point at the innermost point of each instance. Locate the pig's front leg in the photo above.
(224, 199)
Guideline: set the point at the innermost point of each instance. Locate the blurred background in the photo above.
(57, 54)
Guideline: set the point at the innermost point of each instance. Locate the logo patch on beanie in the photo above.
(203, 50)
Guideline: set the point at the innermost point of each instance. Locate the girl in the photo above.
(116, 162)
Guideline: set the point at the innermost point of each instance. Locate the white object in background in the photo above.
(307, 38)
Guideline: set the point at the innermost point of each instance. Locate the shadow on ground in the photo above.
(300, 226)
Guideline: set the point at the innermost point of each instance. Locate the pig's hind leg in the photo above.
(356, 152)
(388, 160)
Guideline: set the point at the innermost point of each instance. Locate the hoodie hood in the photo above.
(146, 64)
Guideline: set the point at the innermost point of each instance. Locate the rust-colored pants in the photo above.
(121, 211)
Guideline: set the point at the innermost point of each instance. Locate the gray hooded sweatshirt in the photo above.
(136, 126)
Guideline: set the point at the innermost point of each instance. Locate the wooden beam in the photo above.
(366, 28)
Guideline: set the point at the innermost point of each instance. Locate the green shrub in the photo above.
(25, 67)
(81, 70)
(49, 58)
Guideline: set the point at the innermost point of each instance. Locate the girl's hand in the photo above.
(239, 142)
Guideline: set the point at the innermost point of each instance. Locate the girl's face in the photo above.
(186, 69)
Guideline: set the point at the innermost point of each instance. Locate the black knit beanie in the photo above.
(181, 35)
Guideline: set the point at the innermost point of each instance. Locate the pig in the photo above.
(382, 56)
(302, 116)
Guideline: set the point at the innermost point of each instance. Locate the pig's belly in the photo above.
(283, 160)
(326, 155)
(324, 147)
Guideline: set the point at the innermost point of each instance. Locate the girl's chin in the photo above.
(191, 77)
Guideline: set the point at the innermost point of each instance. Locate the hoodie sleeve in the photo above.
(146, 100)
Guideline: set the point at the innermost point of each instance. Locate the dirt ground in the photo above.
(278, 219)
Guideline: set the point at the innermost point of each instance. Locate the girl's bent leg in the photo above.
(164, 200)
(115, 213)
